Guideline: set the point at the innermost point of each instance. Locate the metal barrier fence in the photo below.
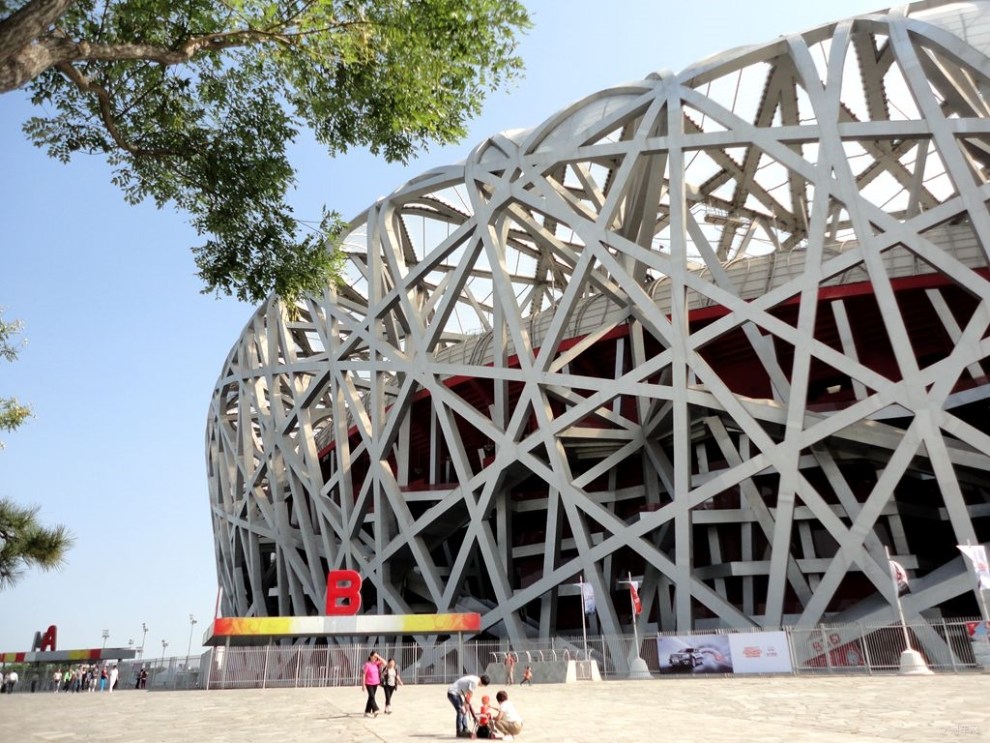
(163, 674)
(276, 666)
(847, 648)
(946, 646)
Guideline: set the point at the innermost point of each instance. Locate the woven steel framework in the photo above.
(724, 330)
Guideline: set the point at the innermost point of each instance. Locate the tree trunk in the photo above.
(25, 64)
(22, 57)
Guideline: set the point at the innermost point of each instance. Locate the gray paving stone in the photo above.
(826, 709)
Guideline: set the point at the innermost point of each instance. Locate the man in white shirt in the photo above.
(508, 721)
(459, 694)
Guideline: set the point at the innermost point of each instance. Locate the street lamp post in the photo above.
(144, 634)
(192, 623)
(106, 636)
(164, 645)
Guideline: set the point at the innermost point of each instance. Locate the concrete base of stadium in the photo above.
(912, 664)
(553, 671)
(808, 709)
(639, 670)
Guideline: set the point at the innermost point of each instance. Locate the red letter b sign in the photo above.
(343, 593)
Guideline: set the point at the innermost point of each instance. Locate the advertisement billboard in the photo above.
(695, 654)
(745, 652)
(760, 652)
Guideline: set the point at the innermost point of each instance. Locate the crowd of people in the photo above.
(510, 671)
(379, 672)
(501, 720)
(93, 677)
(9, 682)
(84, 677)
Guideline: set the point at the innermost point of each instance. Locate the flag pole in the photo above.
(584, 628)
(632, 606)
(637, 666)
(979, 592)
(897, 595)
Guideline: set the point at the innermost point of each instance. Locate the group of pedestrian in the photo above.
(84, 677)
(379, 672)
(8, 682)
(510, 671)
(493, 720)
(92, 677)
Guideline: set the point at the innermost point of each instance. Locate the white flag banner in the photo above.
(588, 597)
(977, 555)
(900, 578)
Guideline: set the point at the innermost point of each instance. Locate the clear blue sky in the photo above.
(123, 351)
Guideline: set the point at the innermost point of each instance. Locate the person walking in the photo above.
(510, 668)
(390, 682)
(459, 695)
(371, 678)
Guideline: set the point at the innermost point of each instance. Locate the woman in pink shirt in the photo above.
(371, 677)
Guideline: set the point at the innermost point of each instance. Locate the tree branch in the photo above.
(28, 48)
(27, 62)
(106, 111)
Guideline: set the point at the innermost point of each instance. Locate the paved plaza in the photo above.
(833, 709)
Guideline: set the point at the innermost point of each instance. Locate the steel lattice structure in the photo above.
(723, 329)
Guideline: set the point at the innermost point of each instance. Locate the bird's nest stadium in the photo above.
(725, 330)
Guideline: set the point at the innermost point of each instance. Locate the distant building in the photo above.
(725, 330)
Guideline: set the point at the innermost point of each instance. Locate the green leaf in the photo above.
(209, 134)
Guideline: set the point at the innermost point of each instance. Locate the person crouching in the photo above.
(508, 721)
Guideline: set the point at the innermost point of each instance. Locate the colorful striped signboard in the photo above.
(260, 628)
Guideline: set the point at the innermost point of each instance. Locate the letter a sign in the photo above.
(44, 641)
(343, 593)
